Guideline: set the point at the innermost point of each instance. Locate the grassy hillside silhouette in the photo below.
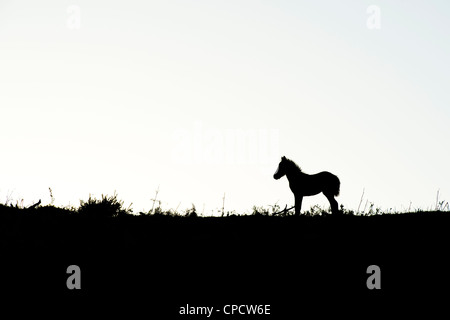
(165, 260)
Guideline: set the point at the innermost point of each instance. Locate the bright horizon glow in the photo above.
(202, 98)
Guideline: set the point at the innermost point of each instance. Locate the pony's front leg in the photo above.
(298, 204)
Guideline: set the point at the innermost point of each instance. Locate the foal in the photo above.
(303, 184)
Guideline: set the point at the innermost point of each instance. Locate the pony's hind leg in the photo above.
(333, 203)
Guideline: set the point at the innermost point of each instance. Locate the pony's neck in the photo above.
(294, 173)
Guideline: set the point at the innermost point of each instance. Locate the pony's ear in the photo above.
(283, 158)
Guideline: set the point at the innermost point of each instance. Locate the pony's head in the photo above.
(281, 171)
(285, 166)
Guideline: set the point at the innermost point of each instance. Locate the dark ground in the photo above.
(153, 265)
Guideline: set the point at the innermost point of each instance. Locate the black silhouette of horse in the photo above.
(303, 184)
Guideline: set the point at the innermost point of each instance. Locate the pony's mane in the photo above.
(293, 164)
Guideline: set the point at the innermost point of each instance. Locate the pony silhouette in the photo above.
(303, 184)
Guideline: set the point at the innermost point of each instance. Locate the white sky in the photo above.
(202, 98)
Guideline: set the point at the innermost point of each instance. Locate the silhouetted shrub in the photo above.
(158, 211)
(260, 211)
(192, 212)
(346, 211)
(106, 207)
(316, 210)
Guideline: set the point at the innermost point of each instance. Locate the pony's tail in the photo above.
(337, 187)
